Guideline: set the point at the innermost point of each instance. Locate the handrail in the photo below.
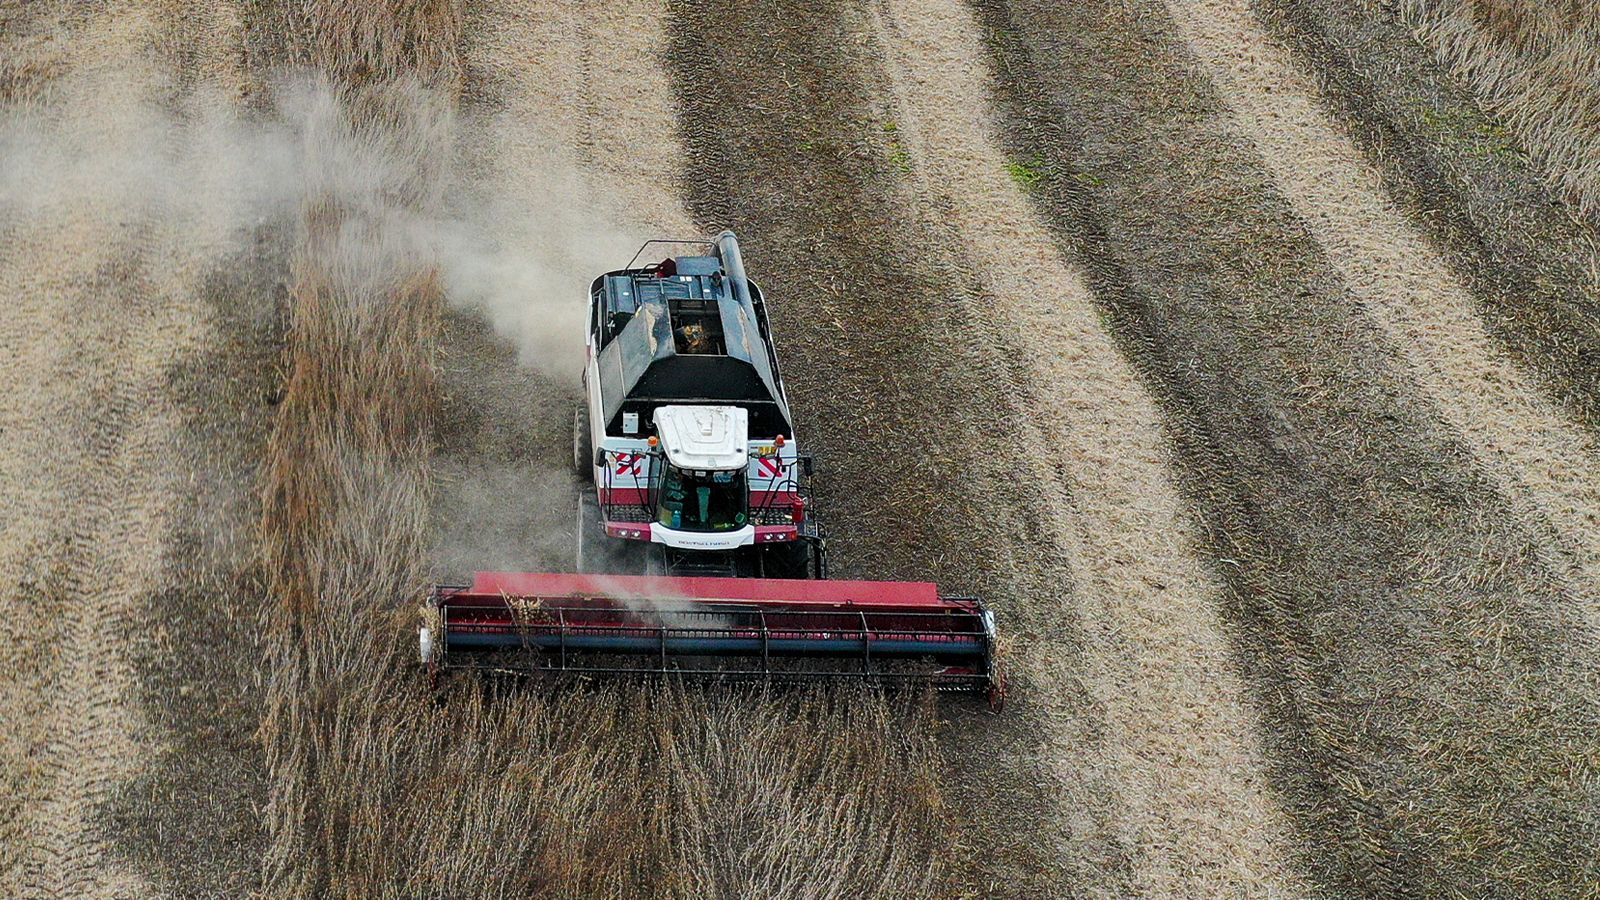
(700, 241)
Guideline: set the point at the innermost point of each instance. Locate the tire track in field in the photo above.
(1428, 695)
(1181, 740)
(1547, 466)
(101, 305)
(72, 544)
(129, 299)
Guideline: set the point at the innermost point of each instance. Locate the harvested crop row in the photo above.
(561, 193)
(1544, 463)
(199, 669)
(553, 199)
(1180, 746)
(1530, 264)
(108, 271)
(1402, 632)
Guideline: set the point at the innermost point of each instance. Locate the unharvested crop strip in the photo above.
(1404, 636)
(1181, 742)
(345, 480)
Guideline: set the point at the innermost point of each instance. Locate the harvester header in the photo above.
(725, 628)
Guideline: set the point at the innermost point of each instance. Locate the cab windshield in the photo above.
(702, 501)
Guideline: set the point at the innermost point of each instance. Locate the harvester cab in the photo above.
(702, 487)
(697, 551)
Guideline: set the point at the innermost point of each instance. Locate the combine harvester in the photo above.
(696, 552)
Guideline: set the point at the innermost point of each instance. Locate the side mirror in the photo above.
(599, 457)
(807, 466)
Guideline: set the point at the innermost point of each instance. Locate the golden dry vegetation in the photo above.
(1136, 317)
(379, 787)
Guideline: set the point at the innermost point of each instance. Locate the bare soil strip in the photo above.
(1533, 268)
(1547, 466)
(1181, 740)
(1401, 630)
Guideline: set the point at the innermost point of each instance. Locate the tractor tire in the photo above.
(582, 446)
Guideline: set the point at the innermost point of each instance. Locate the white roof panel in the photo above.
(704, 437)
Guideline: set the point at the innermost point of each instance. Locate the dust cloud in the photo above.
(520, 251)
(201, 165)
(521, 247)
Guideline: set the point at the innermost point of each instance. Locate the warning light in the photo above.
(654, 440)
(780, 441)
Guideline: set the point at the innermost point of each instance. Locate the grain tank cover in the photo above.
(689, 330)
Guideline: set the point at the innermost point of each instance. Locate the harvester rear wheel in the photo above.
(582, 446)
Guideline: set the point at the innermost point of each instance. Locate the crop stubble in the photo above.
(1180, 746)
(1536, 64)
(110, 311)
(1544, 462)
(905, 392)
(1532, 266)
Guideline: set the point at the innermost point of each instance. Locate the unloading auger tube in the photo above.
(773, 630)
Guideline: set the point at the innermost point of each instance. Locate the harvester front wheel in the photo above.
(600, 553)
(582, 446)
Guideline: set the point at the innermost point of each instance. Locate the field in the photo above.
(1242, 353)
